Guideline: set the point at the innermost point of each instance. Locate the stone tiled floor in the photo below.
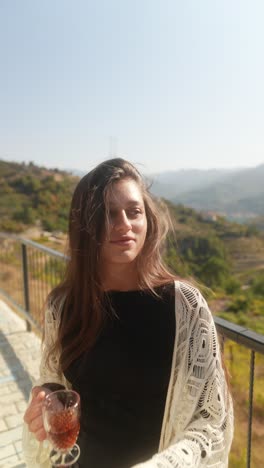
(19, 362)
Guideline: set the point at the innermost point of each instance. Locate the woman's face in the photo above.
(127, 229)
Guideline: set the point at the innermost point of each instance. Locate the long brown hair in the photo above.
(81, 291)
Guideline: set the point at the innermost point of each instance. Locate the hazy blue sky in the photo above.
(168, 84)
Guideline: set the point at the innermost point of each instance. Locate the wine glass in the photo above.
(61, 416)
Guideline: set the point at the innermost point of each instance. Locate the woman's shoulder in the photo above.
(186, 286)
(190, 293)
(182, 290)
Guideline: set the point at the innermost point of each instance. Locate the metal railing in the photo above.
(28, 272)
(255, 343)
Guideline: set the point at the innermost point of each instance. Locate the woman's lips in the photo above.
(128, 241)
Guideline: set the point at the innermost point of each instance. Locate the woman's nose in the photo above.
(122, 222)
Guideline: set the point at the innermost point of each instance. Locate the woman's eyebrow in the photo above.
(134, 203)
(129, 203)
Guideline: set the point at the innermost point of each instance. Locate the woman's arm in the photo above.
(36, 449)
(200, 417)
(50, 374)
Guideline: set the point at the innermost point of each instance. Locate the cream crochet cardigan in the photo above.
(197, 427)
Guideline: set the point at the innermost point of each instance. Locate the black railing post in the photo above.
(25, 282)
(250, 409)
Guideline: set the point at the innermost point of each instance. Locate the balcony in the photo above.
(28, 271)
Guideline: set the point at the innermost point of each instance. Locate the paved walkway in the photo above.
(19, 361)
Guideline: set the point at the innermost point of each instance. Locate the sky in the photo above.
(166, 84)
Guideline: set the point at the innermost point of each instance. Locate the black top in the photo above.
(123, 380)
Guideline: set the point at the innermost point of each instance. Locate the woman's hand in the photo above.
(33, 415)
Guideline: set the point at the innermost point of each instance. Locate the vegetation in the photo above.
(226, 257)
(31, 194)
(257, 223)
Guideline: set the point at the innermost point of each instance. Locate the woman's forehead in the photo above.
(124, 192)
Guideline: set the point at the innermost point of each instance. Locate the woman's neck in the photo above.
(121, 277)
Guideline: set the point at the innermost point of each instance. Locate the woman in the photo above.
(137, 344)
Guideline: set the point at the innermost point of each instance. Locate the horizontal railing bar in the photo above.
(241, 335)
(31, 243)
(44, 249)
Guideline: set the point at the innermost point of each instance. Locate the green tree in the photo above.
(258, 285)
(214, 272)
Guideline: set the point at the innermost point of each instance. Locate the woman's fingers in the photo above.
(32, 412)
(40, 396)
(36, 423)
(35, 407)
(36, 390)
(33, 415)
(41, 435)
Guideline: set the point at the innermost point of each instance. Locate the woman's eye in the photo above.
(131, 213)
(135, 212)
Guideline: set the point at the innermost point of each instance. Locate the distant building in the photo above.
(209, 216)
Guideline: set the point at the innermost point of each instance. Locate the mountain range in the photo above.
(237, 194)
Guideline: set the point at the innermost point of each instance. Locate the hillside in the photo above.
(258, 223)
(238, 195)
(170, 184)
(30, 194)
(225, 256)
